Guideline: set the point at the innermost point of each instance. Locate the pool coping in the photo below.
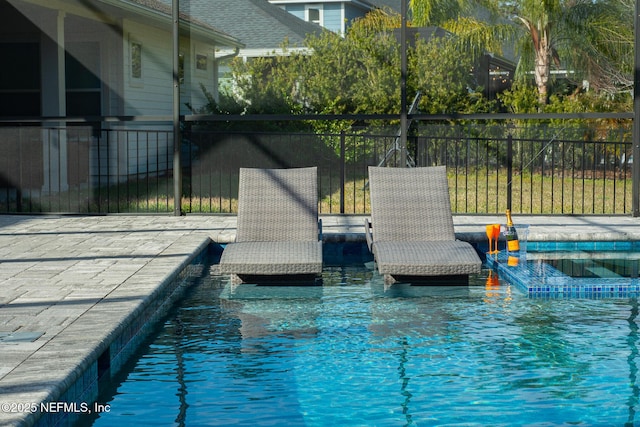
(78, 372)
(62, 365)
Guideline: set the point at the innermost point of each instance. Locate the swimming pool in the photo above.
(351, 353)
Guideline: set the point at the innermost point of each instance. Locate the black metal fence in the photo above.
(568, 169)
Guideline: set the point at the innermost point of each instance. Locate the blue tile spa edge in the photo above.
(618, 245)
(541, 280)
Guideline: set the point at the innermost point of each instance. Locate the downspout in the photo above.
(231, 55)
(216, 71)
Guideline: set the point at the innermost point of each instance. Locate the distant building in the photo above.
(262, 27)
(334, 15)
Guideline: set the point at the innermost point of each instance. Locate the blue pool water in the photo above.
(352, 353)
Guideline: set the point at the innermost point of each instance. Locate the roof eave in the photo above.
(218, 37)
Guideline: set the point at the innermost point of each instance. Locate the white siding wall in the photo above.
(142, 149)
(333, 17)
(192, 89)
(297, 10)
(152, 94)
(133, 151)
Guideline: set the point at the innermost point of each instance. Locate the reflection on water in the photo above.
(632, 360)
(352, 352)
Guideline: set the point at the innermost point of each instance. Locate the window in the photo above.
(313, 15)
(201, 62)
(84, 88)
(136, 60)
(20, 79)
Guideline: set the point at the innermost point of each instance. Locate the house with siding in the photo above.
(262, 27)
(98, 58)
(264, 30)
(112, 58)
(334, 15)
(393, 5)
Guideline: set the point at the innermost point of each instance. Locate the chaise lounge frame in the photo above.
(278, 230)
(411, 230)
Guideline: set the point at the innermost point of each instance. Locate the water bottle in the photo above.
(510, 234)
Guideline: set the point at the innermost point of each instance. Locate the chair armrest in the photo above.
(368, 233)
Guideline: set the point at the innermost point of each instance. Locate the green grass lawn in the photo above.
(471, 193)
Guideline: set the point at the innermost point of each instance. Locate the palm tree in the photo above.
(538, 25)
(591, 39)
(478, 24)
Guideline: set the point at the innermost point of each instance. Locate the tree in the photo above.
(440, 72)
(538, 25)
(585, 38)
(478, 25)
(589, 39)
(360, 74)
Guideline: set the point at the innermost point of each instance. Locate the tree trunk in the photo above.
(542, 69)
(543, 66)
(542, 46)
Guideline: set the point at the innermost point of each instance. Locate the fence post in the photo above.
(509, 168)
(177, 144)
(635, 169)
(343, 170)
(403, 85)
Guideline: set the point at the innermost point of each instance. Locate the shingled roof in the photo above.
(257, 23)
(395, 5)
(163, 9)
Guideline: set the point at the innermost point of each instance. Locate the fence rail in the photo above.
(129, 168)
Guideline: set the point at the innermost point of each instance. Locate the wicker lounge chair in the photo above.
(278, 227)
(411, 229)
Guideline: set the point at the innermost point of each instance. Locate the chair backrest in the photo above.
(410, 204)
(278, 205)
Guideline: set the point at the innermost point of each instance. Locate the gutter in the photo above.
(235, 53)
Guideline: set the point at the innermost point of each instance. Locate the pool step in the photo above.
(540, 279)
(603, 272)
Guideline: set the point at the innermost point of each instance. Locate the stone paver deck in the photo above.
(72, 286)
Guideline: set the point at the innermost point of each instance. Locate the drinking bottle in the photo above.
(510, 234)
